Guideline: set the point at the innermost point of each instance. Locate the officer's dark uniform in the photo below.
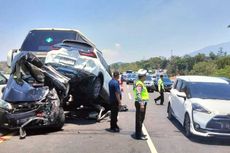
(114, 103)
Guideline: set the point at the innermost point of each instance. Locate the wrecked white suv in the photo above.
(84, 64)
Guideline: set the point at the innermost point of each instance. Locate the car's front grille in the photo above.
(220, 123)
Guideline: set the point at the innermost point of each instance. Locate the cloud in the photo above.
(117, 45)
(113, 54)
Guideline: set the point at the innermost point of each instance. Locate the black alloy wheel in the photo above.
(170, 116)
(187, 124)
(96, 87)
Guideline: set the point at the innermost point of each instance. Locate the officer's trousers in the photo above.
(161, 97)
(114, 114)
(140, 116)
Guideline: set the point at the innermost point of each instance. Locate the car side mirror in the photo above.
(11, 55)
(182, 95)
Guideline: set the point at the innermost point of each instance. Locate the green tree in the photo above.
(204, 68)
(225, 72)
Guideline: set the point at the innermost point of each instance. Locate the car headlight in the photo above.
(5, 105)
(199, 108)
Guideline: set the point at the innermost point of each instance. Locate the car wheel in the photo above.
(187, 126)
(96, 88)
(170, 116)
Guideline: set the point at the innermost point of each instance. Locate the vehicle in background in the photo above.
(167, 82)
(201, 105)
(3, 82)
(84, 64)
(149, 83)
(129, 71)
(123, 77)
(131, 78)
(41, 41)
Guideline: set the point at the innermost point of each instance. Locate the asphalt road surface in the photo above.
(87, 136)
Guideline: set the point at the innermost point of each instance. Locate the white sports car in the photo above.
(201, 104)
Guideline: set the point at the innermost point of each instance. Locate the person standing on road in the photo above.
(141, 98)
(115, 101)
(161, 90)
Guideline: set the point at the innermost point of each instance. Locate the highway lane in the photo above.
(87, 136)
(168, 137)
(82, 136)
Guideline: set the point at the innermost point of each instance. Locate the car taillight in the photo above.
(89, 54)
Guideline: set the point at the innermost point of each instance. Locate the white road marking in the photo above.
(149, 141)
(130, 97)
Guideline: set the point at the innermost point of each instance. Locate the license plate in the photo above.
(67, 61)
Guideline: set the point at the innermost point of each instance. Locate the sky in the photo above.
(124, 30)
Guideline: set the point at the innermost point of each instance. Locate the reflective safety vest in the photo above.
(144, 92)
(160, 85)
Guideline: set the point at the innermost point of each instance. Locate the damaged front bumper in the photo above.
(13, 121)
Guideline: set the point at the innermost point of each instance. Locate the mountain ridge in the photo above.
(222, 47)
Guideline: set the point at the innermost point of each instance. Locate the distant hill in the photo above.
(223, 47)
(118, 63)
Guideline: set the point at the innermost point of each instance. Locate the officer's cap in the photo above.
(141, 72)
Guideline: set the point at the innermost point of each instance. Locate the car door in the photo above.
(181, 102)
(173, 95)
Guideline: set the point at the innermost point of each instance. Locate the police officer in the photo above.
(161, 90)
(115, 101)
(141, 98)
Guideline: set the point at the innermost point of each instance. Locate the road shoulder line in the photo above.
(149, 141)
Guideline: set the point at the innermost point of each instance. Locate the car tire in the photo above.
(170, 116)
(96, 88)
(187, 124)
(60, 121)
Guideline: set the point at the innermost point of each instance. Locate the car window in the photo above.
(175, 84)
(183, 86)
(3, 80)
(178, 86)
(42, 40)
(207, 90)
(103, 62)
